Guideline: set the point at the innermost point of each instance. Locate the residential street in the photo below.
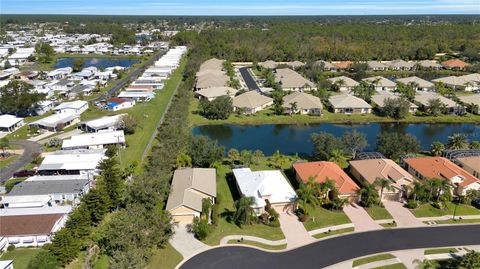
(338, 249)
(29, 148)
(251, 84)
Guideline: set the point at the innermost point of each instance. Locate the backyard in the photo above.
(20, 256)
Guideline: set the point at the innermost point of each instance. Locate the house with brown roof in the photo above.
(456, 64)
(303, 103)
(343, 64)
(189, 187)
(425, 168)
(470, 164)
(321, 171)
(30, 230)
(372, 169)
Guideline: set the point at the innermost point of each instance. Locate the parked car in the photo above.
(476, 203)
(24, 173)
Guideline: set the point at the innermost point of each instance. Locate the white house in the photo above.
(75, 107)
(59, 73)
(9, 123)
(94, 140)
(56, 122)
(110, 123)
(44, 107)
(115, 103)
(381, 83)
(72, 162)
(266, 187)
(344, 84)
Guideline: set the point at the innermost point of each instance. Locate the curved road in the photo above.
(29, 148)
(332, 251)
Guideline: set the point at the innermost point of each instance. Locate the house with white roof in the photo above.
(75, 107)
(251, 102)
(110, 123)
(268, 187)
(467, 83)
(43, 107)
(59, 73)
(349, 104)
(424, 99)
(418, 83)
(72, 162)
(381, 83)
(56, 122)
(9, 123)
(95, 140)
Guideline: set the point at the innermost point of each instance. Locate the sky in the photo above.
(240, 7)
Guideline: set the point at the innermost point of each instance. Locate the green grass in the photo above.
(23, 132)
(320, 217)
(78, 263)
(457, 221)
(225, 225)
(166, 258)
(440, 251)
(20, 256)
(257, 244)
(6, 162)
(378, 212)
(370, 259)
(392, 266)
(268, 117)
(9, 184)
(336, 232)
(389, 225)
(427, 210)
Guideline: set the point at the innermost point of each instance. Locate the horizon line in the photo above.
(258, 15)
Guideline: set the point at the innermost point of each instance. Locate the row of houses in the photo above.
(270, 187)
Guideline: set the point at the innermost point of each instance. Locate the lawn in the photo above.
(6, 162)
(268, 117)
(24, 132)
(227, 192)
(336, 232)
(378, 212)
(320, 217)
(427, 210)
(257, 244)
(20, 256)
(440, 251)
(392, 266)
(457, 221)
(371, 259)
(166, 258)
(389, 225)
(78, 263)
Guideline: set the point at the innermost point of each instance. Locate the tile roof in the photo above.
(372, 169)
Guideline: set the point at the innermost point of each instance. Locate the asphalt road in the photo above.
(332, 251)
(128, 79)
(29, 148)
(251, 84)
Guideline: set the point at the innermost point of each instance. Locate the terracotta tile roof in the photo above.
(28, 224)
(439, 167)
(323, 170)
(455, 63)
(343, 64)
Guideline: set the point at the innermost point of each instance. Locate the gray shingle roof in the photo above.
(48, 187)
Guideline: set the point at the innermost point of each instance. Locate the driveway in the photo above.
(62, 135)
(360, 218)
(185, 243)
(402, 216)
(323, 253)
(29, 148)
(251, 83)
(294, 231)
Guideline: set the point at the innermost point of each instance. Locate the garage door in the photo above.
(183, 218)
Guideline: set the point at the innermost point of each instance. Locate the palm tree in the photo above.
(293, 108)
(437, 148)
(243, 210)
(368, 195)
(338, 156)
(425, 264)
(306, 192)
(325, 188)
(383, 184)
(458, 141)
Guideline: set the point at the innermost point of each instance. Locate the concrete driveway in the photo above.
(294, 231)
(360, 218)
(185, 242)
(402, 216)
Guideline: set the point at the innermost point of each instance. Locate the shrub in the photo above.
(11, 248)
(214, 214)
(412, 204)
(54, 142)
(128, 124)
(200, 228)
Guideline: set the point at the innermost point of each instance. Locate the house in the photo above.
(78, 90)
(426, 168)
(60, 191)
(370, 170)
(401, 65)
(72, 162)
(344, 84)
(137, 96)
(268, 64)
(61, 86)
(428, 64)
(75, 107)
(115, 103)
(43, 107)
(470, 164)
(111, 123)
(381, 83)
(349, 104)
(472, 81)
(457, 83)
(10, 123)
(98, 140)
(378, 99)
(212, 93)
(326, 66)
(59, 73)
(455, 64)
(293, 81)
(56, 122)
(189, 187)
(471, 100)
(87, 73)
(321, 171)
(31, 230)
(207, 79)
(343, 64)
(302, 103)
(213, 64)
(424, 99)
(268, 187)
(418, 83)
(5, 264)
(251, 102)
(295, 64)
(376, 66)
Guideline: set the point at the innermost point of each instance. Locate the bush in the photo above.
(128, 124)
(43, 260)
(54, 142)
(412, 204)
(11, 248)
(275, 223)
(36, 158)
(200, 228)
(214, 214)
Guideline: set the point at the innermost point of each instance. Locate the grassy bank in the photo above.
(336, 232)
(370, 259)
(378, 213)
(6, 162)
(320, 217)
(257, 244)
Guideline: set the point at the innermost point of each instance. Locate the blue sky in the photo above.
(242, 7)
